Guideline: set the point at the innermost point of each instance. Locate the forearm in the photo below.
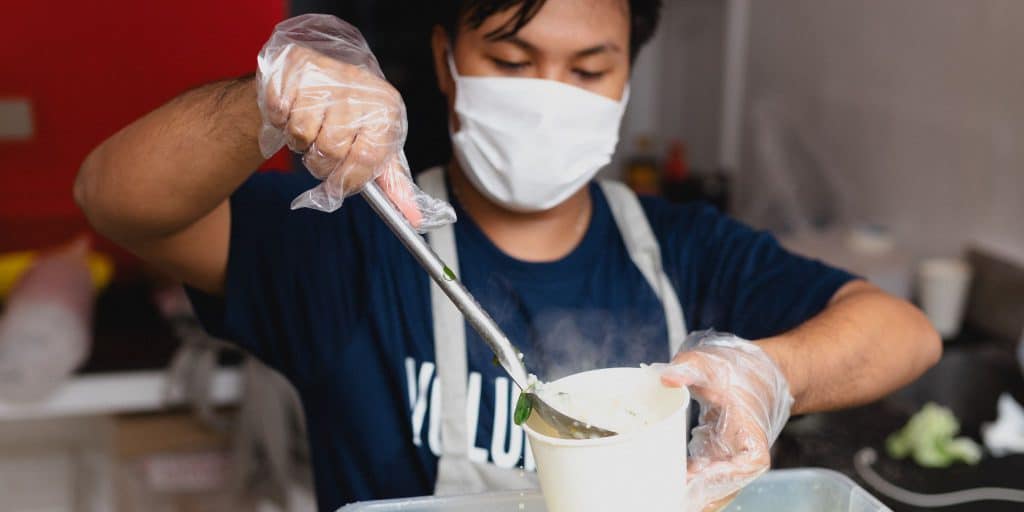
(173, 166)
(865, 344)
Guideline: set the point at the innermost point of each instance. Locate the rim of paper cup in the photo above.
(617, 438)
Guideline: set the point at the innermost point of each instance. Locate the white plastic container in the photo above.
(643, 469)
(790, 490)
(942, 290)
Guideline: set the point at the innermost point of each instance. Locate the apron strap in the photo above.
(449, 330)
(455, 473)
(645, 252)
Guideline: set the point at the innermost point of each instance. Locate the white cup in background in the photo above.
(644, 469)
(942, 285)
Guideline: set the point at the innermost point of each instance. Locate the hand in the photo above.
(745, 402)
(322, 93)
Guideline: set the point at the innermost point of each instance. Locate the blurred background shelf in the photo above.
(116, 393)
(126, 368)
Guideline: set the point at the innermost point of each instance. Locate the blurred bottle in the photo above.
(677, 185)
(46, 325)
(681, 185)
(642, 168)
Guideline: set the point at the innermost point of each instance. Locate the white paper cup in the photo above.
(641, 470)
(942, 292)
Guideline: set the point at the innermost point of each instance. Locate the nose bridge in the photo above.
(554, 69)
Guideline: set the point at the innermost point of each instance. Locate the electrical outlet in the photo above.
(16, 119)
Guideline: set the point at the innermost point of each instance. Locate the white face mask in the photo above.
(528, 144)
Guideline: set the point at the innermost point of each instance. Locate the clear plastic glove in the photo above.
(321, 92)
(744, 400)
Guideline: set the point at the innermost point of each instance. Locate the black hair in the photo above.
(472, 13)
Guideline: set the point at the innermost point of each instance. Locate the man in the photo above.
(400, 397)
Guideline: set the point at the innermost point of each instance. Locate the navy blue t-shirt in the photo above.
(336, 304)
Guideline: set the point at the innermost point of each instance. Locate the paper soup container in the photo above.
(644, 469)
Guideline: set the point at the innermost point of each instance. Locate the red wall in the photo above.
(90, 68)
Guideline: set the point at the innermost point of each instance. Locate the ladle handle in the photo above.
(508, 356)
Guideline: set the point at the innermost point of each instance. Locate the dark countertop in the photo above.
(129, 334)
(969, 379)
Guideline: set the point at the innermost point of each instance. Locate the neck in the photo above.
(534, 236)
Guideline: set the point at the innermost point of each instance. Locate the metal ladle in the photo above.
(507, 355)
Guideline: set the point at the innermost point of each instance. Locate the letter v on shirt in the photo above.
(509, 447)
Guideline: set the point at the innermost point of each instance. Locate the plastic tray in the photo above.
(790, 490)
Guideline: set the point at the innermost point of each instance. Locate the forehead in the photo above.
(567, 23)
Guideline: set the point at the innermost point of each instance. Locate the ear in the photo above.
(439, 43)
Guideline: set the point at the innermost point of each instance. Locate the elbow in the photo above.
(930, 351)
(80, 190)
(88, 194)
(935, 353)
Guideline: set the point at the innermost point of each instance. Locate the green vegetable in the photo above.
(523, 409)
(929, 439)
(966, 449)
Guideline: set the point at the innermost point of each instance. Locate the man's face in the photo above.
(584, 43)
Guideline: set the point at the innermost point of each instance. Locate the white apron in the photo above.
(456, 473)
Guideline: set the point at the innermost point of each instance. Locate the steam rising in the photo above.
(571, 342)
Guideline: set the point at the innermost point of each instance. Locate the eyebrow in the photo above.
(608, 47)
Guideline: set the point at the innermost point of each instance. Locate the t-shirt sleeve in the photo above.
(740, 280)
(275, 261)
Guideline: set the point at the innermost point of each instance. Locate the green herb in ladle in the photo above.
(523, 409)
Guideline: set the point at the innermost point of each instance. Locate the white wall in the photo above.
(676, 87)
(918, 103)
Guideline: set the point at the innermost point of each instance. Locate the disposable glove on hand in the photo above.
(321, 92)
(744, 400)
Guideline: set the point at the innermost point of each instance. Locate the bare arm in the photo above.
(865, 344)
(159, 186)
